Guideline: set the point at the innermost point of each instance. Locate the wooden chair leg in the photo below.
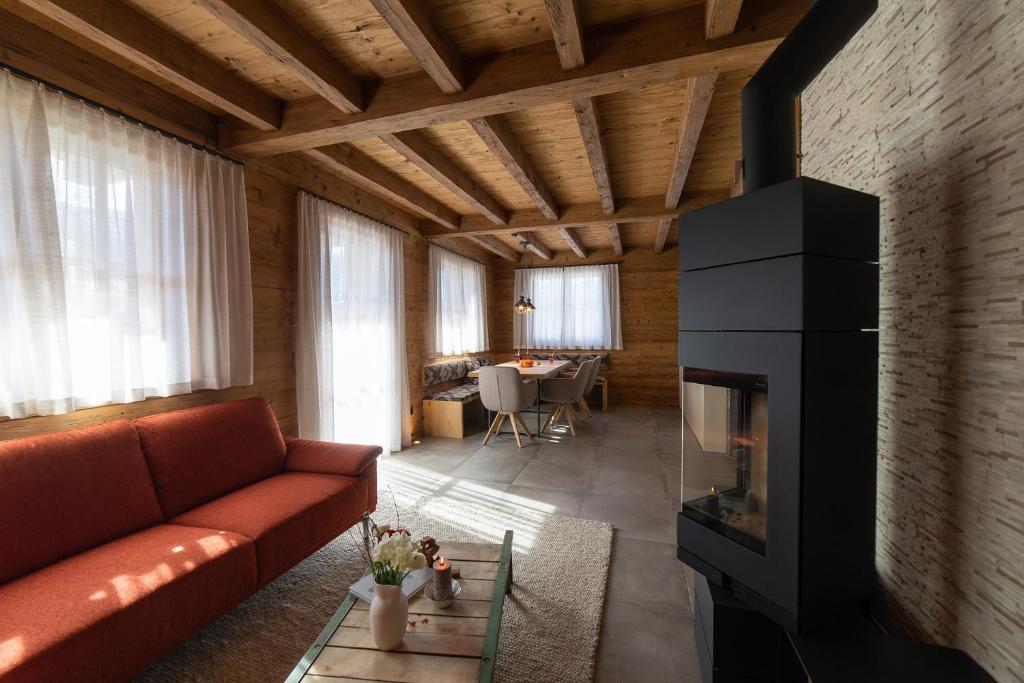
(522, 423)
(604, 397)
(585, 407)
(550, 421)
(515, 428)
(569, 412)
(491, 431)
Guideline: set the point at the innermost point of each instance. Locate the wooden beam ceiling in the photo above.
(720, 18)
(642, 210)
(533, 243)
(567, 30)
(593, 142)
(573, 241)
(496, 134)
(415, 147)
(355, 166)
(120, 29)
(411, 22)
(699, 91)
(659, 239)
(497, 247)
(628, 56)
(273, 31)
(613, 230)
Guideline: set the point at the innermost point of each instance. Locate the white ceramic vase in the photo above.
(389, 616)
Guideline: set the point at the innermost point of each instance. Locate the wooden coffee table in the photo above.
(458, 643)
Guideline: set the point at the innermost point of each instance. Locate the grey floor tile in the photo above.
(634, 516)
(554, 501)
(638, 565)
(643, 645)
(494, 467)
(438, 462)
(616, 480)
(446, 445)
(646, 459)
(568, 454)
(548, 475)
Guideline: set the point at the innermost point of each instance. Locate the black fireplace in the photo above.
(778, 354)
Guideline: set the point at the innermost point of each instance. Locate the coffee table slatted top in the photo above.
(442, 645)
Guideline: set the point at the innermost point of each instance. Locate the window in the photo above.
(352, 374)
(576, 308)
(458, 304)
(124, 258)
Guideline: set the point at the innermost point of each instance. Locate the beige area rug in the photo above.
(549, 631)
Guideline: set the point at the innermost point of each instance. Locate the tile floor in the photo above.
(622, 467)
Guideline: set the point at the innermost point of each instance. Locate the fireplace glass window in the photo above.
(725, 453)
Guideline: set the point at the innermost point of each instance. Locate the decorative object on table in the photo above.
(429, 548)
(393, 559)
(442, 588)
(526, 362)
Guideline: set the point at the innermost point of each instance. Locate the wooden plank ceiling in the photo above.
(526, 125)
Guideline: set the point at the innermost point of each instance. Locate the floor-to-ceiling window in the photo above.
(352, 375)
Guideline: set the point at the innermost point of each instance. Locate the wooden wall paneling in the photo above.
(633, 56)
(119, 28)
(32, 50)
(924, 109)
(271, 29)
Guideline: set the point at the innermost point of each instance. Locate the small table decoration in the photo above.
(392, 560)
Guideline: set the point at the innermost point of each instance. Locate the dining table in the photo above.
(538, 372)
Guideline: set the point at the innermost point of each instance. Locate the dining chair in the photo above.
(503, 391)
(564, 392)
(595, 370)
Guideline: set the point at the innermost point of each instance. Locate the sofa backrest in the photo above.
(64, 493)
(198, 454)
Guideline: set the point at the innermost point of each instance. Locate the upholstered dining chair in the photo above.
(581, 400)
(563, 392)
(503, 391)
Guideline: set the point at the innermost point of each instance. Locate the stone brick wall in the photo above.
(926, 109)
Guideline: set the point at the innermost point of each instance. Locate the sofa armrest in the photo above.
(324, 457)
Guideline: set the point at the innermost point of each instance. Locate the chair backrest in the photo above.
(595, 370)
(503, 389)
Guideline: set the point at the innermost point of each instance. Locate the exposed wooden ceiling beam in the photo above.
(698, 98)
(421, 152)
(593, 141)
(720, 18)
(355, 166)
(411, 22)
(630, 56)
(659, 240)
(613, 230)
(533, 243)
(642, 210)
(496, 246)
(567, 30)
(28, 48)
(120, 29)
(573, 240)
(273, 31)
(499, 139)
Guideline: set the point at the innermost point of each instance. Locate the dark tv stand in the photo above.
(737, 644)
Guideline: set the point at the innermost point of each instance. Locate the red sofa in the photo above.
(118, 542)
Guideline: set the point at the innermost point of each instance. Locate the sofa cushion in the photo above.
(198, 454)
(57, 490)
(439, 373)
(459, 393)
(288, 516)
(105, 614)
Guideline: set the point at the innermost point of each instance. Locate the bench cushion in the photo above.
(459, 393)
(63, 493)
(453, 370)
(289, 516)
(106, 613)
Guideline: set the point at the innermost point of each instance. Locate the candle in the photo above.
(443, 580)
(712, 504)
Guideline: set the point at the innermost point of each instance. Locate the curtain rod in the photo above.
(120, 114)
(322, 198)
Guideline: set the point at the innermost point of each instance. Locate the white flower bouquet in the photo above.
(394, 557)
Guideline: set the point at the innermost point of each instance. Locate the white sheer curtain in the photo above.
(124, 259)
(352, 374)
(576, 308)
(458, 304)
